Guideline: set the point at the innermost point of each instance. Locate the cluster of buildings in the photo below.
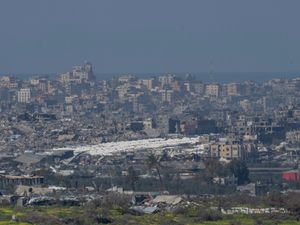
(104, 122)
(128, 107)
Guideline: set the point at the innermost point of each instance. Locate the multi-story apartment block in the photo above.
(24, 95)
(227, 151)
(232, 89)
(166, 80)
(212, 90)
(166, 95)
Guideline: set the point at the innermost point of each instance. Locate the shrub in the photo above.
(208, 215)
(38, 218)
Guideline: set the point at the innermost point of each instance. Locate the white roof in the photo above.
(168, 199)
(130, 146)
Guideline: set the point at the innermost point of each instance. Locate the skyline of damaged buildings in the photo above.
(74, 107)
(73, 121)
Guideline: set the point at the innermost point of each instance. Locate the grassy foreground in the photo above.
(82, 215)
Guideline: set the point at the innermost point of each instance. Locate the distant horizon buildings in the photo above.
(221, 77)
(79, 74)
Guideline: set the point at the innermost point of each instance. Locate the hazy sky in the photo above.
(150, 35)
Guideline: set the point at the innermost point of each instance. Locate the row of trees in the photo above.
(163, 177)
(214, 168)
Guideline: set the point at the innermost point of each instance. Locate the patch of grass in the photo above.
(8, 222)
(61, 212)
(118, 216)
(289, 222)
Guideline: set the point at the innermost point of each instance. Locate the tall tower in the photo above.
(88, 68)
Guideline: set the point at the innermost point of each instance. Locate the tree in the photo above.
(275, 199)
(215, 168)
(240, 170)
(293, 204)
(153, 163)
(132, 177)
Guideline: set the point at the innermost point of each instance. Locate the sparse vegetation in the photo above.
(193, 215)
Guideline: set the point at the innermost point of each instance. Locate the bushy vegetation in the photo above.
(114, 210)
